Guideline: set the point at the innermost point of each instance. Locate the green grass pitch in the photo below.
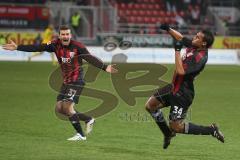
(30, 130)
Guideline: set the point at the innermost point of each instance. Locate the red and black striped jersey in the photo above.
(194, 61)
(69, 57)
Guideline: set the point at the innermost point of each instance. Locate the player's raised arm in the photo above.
(176, 35)
(28, 48)
(178, 60)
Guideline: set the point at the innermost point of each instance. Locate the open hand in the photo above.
(111, 69)
(10, 46)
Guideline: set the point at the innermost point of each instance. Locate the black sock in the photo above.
(161, 122)
(83, 117)
(191, 128)
(74, 119)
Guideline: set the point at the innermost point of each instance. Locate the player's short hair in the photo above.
(208, 38)
(63, 27)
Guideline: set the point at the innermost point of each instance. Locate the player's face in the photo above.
(198, 40)
(65, 36)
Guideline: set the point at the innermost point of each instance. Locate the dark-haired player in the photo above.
(180, 94)
(69, 54)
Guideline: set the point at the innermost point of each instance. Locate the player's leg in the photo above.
(68, 110)
(65, 106)
(89, 121)
(154, 105)
(73, 93)
(177, 124)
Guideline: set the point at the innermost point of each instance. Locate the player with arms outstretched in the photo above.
(69, 54)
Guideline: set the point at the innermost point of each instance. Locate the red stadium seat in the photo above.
(132, 19)
(173, 21)
(121, 13)
(155, 13)
(162, 14)
(130, 6)
(141, 13)
(143, 6)
(153, 20)
(147, 20)
(148, 13)
(157, 7)
(168, 14)
(136, 12)
(140, 20)
(128, 12)
(160, 20)
(136, 6)
(122, 6)
(167, 20)
(150, 6)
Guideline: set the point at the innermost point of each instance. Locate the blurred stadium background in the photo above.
(109, 23)
(119, 31)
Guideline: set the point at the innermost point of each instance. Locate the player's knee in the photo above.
(58, 107)
(67, 108)
(67, 112)
(147, 107)
(150, 106)
(176, 126)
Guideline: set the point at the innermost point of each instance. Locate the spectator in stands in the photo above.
(195, 13)
(75, 21)
(180, 21)
(171, 6)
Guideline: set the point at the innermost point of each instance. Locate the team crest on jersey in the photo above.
(72, 54)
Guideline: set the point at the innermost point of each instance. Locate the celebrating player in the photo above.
(180, 94)
(69, 54)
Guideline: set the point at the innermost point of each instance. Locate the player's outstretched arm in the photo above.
(175, 34)
(10, 46)
(28, 48)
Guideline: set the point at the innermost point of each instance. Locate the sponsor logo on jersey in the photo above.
(66, 60)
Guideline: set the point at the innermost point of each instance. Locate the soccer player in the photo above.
(180, 94)
(69, 54)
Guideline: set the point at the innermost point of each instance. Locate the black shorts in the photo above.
(70, 92)
(178, 103)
